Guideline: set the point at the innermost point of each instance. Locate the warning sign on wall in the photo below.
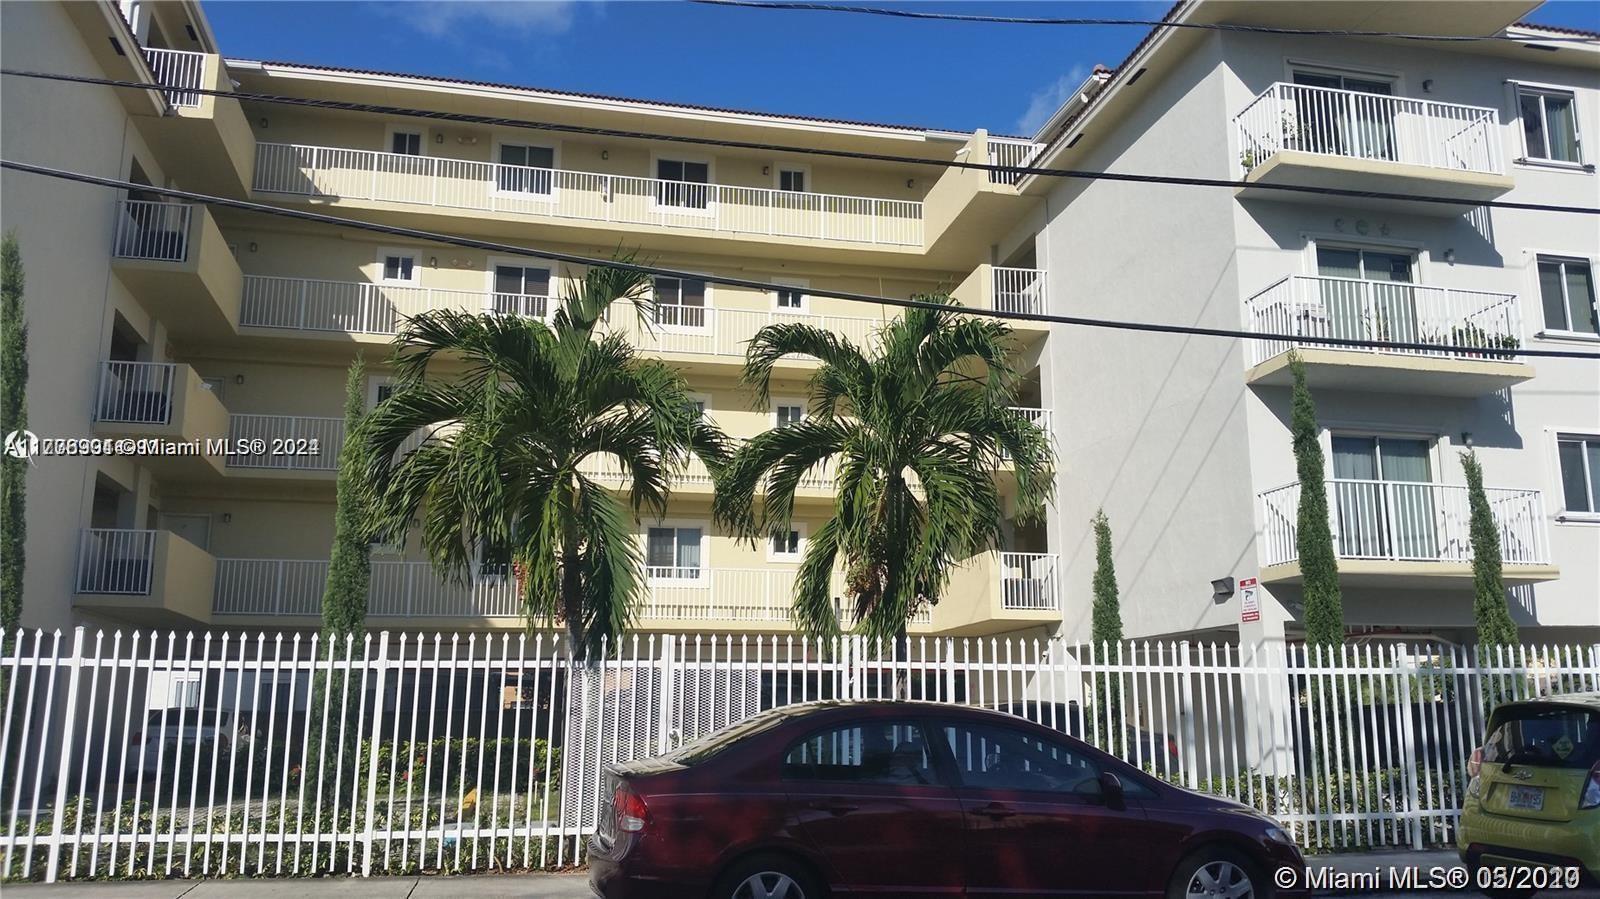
(1249, 602)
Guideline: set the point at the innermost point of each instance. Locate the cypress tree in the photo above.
(1107, 624)
(13, 417)
(344, 599)
(1495, 627)
(1319, 566)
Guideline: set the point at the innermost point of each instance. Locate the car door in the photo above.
(868, 797)
(1038, 823)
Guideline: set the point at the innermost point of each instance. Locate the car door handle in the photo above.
(995, 811)
(831, 807)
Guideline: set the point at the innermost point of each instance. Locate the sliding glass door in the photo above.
(1356, 121)
(1384, 498)
(1374, 297)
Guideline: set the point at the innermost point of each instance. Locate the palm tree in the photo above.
(506, 429)
(915, 429)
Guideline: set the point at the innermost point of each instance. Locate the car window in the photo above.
(1002, 758)
(1547, 736)
(877, 752)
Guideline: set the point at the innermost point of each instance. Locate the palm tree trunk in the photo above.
(572, 599)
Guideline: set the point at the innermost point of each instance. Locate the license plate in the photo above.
(1526, 798)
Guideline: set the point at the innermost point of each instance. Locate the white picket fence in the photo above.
(136, 755)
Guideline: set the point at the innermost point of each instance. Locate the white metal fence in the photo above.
(1020, 290)
(560, 193)
(1010, 151)
(1028, 581)
(150, 229)
(180, 71)
(136, 392)
(363, 307)
(1310, 308)
(1407, 521)
(1355, 124)
(148, 755)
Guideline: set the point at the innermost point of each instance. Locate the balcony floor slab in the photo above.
(1386, 373)
(1410, 574)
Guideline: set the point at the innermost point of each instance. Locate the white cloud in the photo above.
(462, 18)
(1048, 99)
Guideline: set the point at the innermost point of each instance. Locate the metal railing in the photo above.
(364, 307)
(115, 560)
(1020, 290)
(1010, 151)
(1314, 307)
(180, 71)
(1028, 581)
(1406, 521)
(559, 193)
(150, 229)
(1332, 122)
(285, 442)
(136, 392)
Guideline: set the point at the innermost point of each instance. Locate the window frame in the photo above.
(1096, 764)
(778, 168)
(707, 211)
(492, 266)
(383, 266)
(391, 130)
(777, 401)
(550, 196)
(801, 286)
(1536, 292)
(706, 289)
(799, 528)
(1518, 89)
(1582, 435)
(703, 577)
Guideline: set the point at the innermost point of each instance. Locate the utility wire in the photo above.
(499, 121)
(1151, 23)
(767, 286)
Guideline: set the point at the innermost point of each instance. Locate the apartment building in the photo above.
(1184, 440)
(153, 318)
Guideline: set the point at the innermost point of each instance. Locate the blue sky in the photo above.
(956, 75)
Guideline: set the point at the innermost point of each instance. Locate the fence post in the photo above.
(64, 757)
(1186, 716)
(1403, 669)
(381, 663)
(664, 704)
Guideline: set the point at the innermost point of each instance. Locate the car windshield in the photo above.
(709, 745)
(1551, 736)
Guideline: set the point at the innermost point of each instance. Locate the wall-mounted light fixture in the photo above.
(238, 379)
(911, 182)
(254, 246)
(1427, 85)
(1221, 589)
(1466, 438)
(433, 261)
(1450, 255)
(262, 121)
(605, 154)
(227, 518)
(766, 170)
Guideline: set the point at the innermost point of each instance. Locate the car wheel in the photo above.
(1216, 874)
(767, 877)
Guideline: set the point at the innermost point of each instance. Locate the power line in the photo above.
(471, 118)
(765, 286)
(1150, 23)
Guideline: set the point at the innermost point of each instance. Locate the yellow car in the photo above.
(1531, 820)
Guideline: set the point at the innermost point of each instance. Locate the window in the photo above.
(1579, 455)
(790, 296)
(673, 552)
(699, 403)
(1383, 498)
(521, 290)
(887, 752)
(787, 414)
(405, 143)
(1554, 736)
(684, 183)
(1366, 295)
(792, 180)
(1001, 758)
(680, 302)
(1549, 124)
(786, 546)
(1566, 291)
(379, 388)
(525, 169)
(399, 267)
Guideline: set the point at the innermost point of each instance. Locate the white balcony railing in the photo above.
(1353, 124)
(291, 442)
(149, 229)
(1311, 308)
(1020, 290)
(115, 560)
(182, 72)
(1028, 581)
(136, 392)
(1010, 151)
(1402, 521)
(558, 193)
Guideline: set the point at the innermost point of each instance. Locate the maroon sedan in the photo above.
(917, 799)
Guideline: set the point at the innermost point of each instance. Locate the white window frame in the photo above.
(385, 548)
(680, 328)
(803, 285)
(705, 400)
(1527, 158)
(416, 266)
(494, 262)
(1435, 440)
(374, 382)
(1421, 260)
(656, 205)
(778, 168)
(391, 130)
(1536, 296)
(555, 166)
(789, 558)
(1566, 516)
(704, 580)
(805, 411)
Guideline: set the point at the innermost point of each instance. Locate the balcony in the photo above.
(1402, 534)
(1305, 309)
(967, 208)
(1008, 290)
(1324, 137)
(158, 576)
(166, 401)
(292, 447)
(209, 132)
(176, 262)
(997, 592)
(610, 204)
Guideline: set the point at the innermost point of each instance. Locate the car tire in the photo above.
(1216, 864)
(767, 877)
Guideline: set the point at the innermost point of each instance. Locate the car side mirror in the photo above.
(1111, 789)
